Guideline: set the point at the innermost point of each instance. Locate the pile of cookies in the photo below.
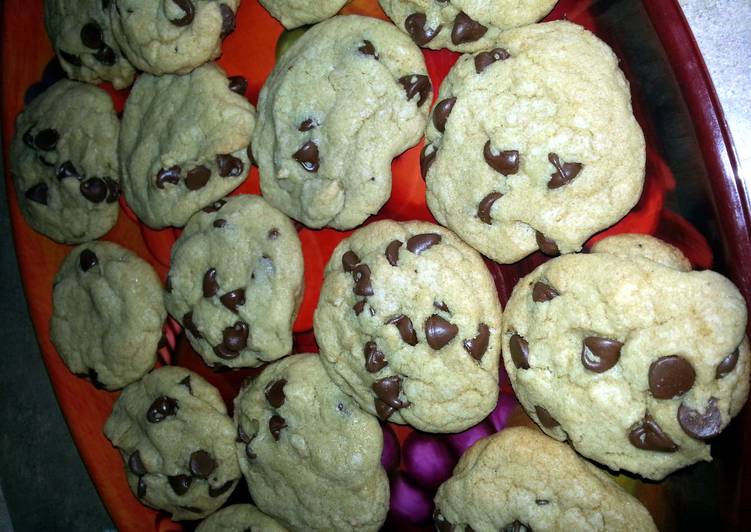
(621, 353)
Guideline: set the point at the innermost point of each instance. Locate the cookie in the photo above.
(350, 95)
(408, 323)
(177, 441)
(184, 144)
(519, 480)
(533, 145)
(462, 25)
(239, 518)
(172, 36)
(63, 159)
(235, 282)
(295, 13)
(636, 362)
(81, 34)
(310, 456)
(107, 314)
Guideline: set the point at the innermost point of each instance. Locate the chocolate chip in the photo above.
(187, 7)
(392, 252)
(483, 209)
(307, 125)
(202, 464)
(135, 464)
(234, 340)
(440, 305)
(37, 193)
(113, 190)
(276, 424)
(505, 162)
(426, 160)
(233, 299)
(359, 307)
(94, 189)
(229, 165)
(519, 351)
(406, 330)
(106, 55)
(416, 84)
(542, 502)
(273, 234)
(600, 354)
(141, 488)
(419, 243)
(180, 483)
(477, 346)
(466, 30)
(197, 177)
(440, 522)
(190, 326)
(46, 139)
(670, 377)
(547, 245)
(168, 175)
(242, 436)
(350, 260)
(91, 35)
(383, 411)
(274, 393)
(308, 156)
(87, 260)
(220, 490)
(727, 364)
(701, 426)
(161, 408)
(186, 382)
(361, 275)
(439, 331)
(367, 48)
(28, 138)
(542, 292)
(415, 24)
(564, 174)
(387, 390)
(238, 85)
(441, 113)
(210, 284)
(71, 58)
(545, 418)
(484, 59)
(649, 436)
(219, 223)
(516, 526)
(375, 361)
(228, 20)
(214, 207)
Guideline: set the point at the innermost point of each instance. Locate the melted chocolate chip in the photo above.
(238, 85)
(542, 292)
(161, 408)
(516, 526)
(210, 284)
(276, 424)
(383, 411)
(187, 7)
(180, 483)
(367, 48)
(274, 393)
(37, 193)
(234, 340)
(392, 252)
(542, 502)
(71, 58)
(477, 346)
(94, 189)
(233, 299)
(113, 190)
(87, 260)
(649, 436)
(484, 59)
(727, 364)
(220, 490)
(405, 328)
(46, 139)
(547, 245)
(197, 177)
(359, 307)
(441, 113)
(698, 425)
(439, 332)
(308, 156)
(415, 24)
(416, 84)
(307, 125)
(519, 351)
(600, 354)
(106, 55)
(228, 20)
(350, 260)
(440, 522)
(419, 243)
(186, 382)
(219, 223)
(141, 488)
(387, 390)
(670, 377)
(426, 160)
(466, 30)
(545, 418)
(135, 464)
(214, 207)
(168, 175)
(505, 162)
(190, 326)
(363, 286)
(229, 165)
(91, 36)
(440, 305)
(242, 436)
(374, 358)
(202, 464)
(483, 209)
(564, 174)
(168, 285)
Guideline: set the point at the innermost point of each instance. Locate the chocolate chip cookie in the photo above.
(295, 13)
(408, 323)
(177, 441)
(81, 33)
(311, 457)
(239, 518)
(520, 480)
(636, 361)
(107, 314)
(172, 36)
(184, 143)
(63, 159)
(235, 282)
(462, 25)
(533, 144)
(341, 103)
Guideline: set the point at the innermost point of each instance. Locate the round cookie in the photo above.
(533, 145)
(310, 456)
(462, 25)
(239, 518)
(184, 144)
(295, 13)
(636, 363)
(107, 314)
(177, 441)
(408, 323)
(172, 36)
(63, 159)
(341, 103)
(519, 480)
(235, 282)
(81, 33)
(646, 246)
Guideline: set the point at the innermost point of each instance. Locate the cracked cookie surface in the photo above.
(310, 456)
(350, 95)
(408, 323)
(295, 13)
(533, 145)
(239, 518)
(636, 362)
